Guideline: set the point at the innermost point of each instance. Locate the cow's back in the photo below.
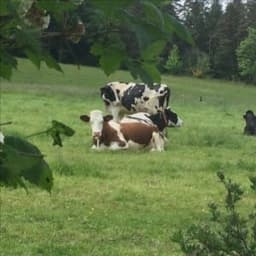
(137, 132)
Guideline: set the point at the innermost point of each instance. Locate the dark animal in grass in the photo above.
(250, 123)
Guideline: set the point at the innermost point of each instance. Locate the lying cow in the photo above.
(166, 118)
(107, 133)
(250, 123)
(123, 98)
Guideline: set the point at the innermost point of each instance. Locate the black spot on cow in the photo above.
(162, 119)
(107, 94)
(132, 93)
(250, 123)
(165, 97)
(145, 98)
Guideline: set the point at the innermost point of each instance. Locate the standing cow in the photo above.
(122, 98)
(250, 123)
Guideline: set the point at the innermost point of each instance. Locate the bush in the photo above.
(246, 55)
(173, 64)
(228, 233)
(198, 63)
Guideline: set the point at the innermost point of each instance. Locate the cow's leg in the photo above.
(157, 142)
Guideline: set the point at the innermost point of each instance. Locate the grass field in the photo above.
(121, 203)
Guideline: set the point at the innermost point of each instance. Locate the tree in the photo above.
(231, 30)
(246, 54)
(173, 64)
(195, 19)
(108, 29)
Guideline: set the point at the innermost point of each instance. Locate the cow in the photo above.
(250, 123)
(166, 118)
(106, 133)
(125, 98)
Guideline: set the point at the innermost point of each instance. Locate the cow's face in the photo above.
(96, 120)
(172, 118)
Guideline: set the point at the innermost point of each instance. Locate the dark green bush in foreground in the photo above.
(228, 233)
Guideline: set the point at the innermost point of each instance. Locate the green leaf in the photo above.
(4, 10)
(97, 49)
(172, 25)
(34, 57)
(22, 160)
(153, 50)
(51, 62)
(153, 14)
(57, 8)
(7, 64)
(111, 60)
(151, 73)
(57, 129)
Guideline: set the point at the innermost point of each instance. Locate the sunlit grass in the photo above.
(120, 203)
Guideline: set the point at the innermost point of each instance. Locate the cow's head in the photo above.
(96, 120)
(172, 118)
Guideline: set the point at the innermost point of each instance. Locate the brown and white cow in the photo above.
(126, 98)
(107, 133)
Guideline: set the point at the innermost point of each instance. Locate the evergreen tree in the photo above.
(195, 19)
(213, 17)
(231, 30)
(251, 13)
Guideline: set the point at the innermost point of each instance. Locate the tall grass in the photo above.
(128, 202)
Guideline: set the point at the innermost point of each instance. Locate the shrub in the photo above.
(246, 55)
(173, 64)
(227, 233)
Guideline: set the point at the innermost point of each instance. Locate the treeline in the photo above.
(224, 41)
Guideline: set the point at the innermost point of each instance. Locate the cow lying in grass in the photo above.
(250, 123)
(132, 132)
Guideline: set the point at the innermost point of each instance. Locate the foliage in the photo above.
(133, 34)
(55, 131)
(22, 26)
(198, 63)
(228, 233)
(27, 24)
(20, 159)
(246, 54)
(174, 63)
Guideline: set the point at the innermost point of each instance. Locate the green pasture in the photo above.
(125, 202)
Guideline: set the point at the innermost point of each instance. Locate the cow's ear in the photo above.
(107, 118)
(85, 118)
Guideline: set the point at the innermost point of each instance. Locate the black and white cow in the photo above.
(109, 134)
(163, 119)
(124, 98)
(250, 123)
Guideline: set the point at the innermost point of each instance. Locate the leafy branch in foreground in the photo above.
(22, 161)
(228, 233)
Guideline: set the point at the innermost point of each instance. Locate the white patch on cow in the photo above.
(180, 122)
(134, 146)
(96, 121)
(115, 146)
(140, 117)
(1, 138)
(115, 112)
(116, 127)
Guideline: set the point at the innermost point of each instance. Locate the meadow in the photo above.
(126, 202)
